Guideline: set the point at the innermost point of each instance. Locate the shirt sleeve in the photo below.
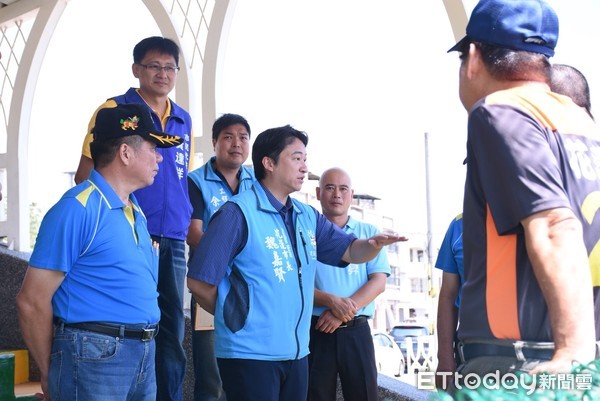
(517, 169)
(445, 260)
(380, 263)
(332, 242)
(196, 199)
(62, 236)
(225, 237)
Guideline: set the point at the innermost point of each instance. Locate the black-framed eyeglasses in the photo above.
(156, 68)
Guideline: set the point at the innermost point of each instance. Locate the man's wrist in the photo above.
(331, 301)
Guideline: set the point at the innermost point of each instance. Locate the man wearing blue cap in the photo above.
(531, 220)
(88, 306)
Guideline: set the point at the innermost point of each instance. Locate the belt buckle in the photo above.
(461, 351)
(343, 325)
(518, 348)
(148, 334)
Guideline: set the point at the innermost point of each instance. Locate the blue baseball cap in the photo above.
(528, 25)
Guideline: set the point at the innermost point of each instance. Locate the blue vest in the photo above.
(214, 191)
(264, 303)
(166, 203)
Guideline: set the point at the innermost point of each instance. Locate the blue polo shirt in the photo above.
(109, 262)
(345, 282)
(450, 256)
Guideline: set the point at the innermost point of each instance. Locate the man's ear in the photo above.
(268, 163)
(318, 191)
(124, 153)
(134, 70)
(474, 63)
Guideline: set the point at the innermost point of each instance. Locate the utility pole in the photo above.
(431, 290)
(428, 205)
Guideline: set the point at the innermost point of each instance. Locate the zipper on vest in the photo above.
(303, 245)
(301, 288)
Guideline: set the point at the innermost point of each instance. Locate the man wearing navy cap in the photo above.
(88, 306)
(531, 220)
(165, 203)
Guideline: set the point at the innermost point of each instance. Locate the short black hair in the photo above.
(104, 152)
(510, 65)
(270, 143)
(227, 120)
(155, 43)
(569, 81)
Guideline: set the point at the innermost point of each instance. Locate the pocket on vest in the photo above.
(237, 302)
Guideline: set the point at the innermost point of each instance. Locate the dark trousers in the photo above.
(207, 381)
(252, 380)
(348, 352)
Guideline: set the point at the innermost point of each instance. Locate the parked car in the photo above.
(413, 331)
(388, 357)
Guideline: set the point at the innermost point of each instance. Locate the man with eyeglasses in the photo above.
(165, 203)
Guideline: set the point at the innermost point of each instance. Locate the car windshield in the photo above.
(384, 341)
(409, 331)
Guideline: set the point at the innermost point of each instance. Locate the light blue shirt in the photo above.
(344, 282)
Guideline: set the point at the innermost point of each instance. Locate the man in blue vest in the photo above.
(255, 268)
(165, 203)
(210, 186)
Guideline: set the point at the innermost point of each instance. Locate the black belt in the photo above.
(146, 334)
(517, 350)
(357, 321)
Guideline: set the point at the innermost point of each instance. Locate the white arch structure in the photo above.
(26, 26)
